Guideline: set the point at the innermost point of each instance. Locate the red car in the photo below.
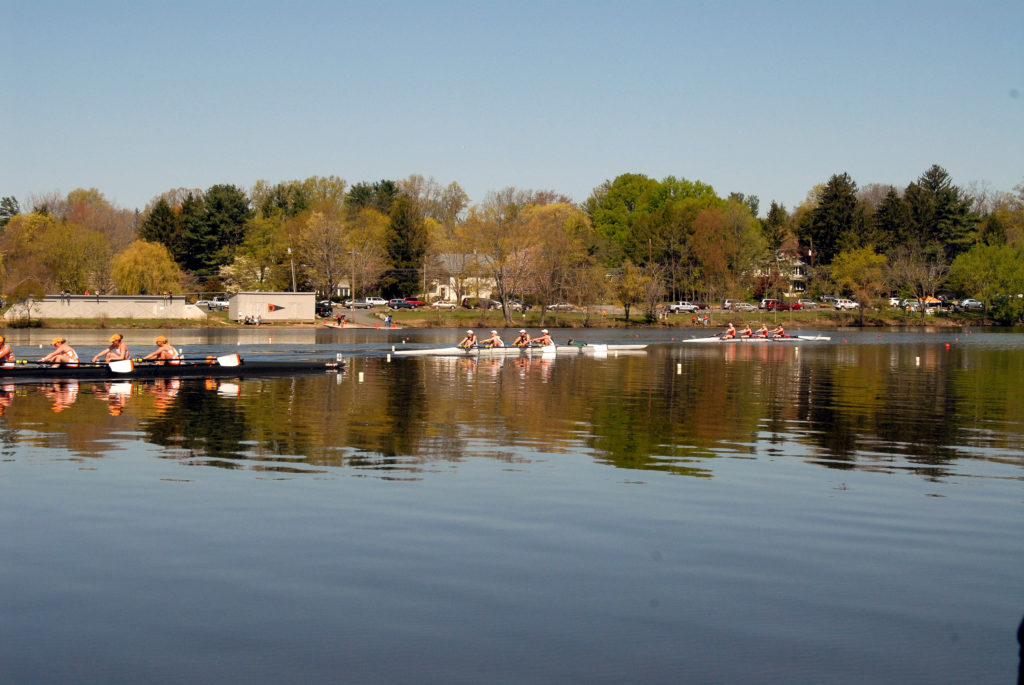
(777, 306)
(414, 302)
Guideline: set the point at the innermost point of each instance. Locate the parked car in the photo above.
(561, 307)
(324, 309)
(683, 306)
(400, 303)
(969, 303)
(218, 303)
(843, 303)
(728, 304)
(518, 306)
(828, 299)
(766, 304)
(738, 306)
(777, 306)
(356, 304)
(807, 304)
(414, 302)
(442, 304)
(894, 302)
(480, 303)
(376, 301)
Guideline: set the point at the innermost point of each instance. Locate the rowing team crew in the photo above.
(762, 332)
(524, 340)
(65, 354)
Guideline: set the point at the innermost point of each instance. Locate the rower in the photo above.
(62, 353)
(469, 341)
(779, 332)
(730, 332)
(747, 333)
(117, 351)
(164, 352)
(493, 341)
(544, 339)
(523, 340)
(6, 354)
(763, 330)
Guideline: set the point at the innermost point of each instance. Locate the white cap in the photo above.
(494, 332)
(522, 330)
(469, 331)
(544, 331)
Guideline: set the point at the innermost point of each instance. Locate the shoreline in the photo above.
(474, 319)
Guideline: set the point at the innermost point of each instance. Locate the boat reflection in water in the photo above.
(674, 409)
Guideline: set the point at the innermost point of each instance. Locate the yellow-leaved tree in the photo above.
(145, 268)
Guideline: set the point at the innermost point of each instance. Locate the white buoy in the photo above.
(360, 376)
(679, 369)
(389, 359)
(917, 361)
(392, 348)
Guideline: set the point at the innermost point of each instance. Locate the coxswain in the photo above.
(763, 330)
(469, 341)
(523, 340)
(62, 353)
(730, 332)
(164, 352)
(747, 333)
(6, 354)
(493, 341)
(544, 339)
(117, 351)
(779, 332)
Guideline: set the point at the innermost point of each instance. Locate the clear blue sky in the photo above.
(765, 98)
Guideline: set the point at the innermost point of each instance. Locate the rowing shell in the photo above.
(516, 351)
(791, 339)
(230, 366)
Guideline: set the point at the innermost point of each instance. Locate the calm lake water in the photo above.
(840, 512)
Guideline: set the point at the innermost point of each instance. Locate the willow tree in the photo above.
(145, 268)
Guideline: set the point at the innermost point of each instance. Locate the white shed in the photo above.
(272, 306)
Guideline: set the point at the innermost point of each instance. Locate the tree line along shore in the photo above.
(635, 241)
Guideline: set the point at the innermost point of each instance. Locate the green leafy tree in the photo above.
(776, 227)
(163, 225)
(406, 245)
(9, 208)
(862, 271)
(835, 221)
(198, 242)
(145, 268)
(993, 274)
(380, 196)
(892, 222)
(940, 212)
(227, 211)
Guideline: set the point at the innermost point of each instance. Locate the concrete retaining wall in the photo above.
(110, 306)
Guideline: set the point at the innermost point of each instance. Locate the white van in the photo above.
(376, 301)
(842, 303)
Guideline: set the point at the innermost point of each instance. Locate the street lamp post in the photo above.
(292, 260)
(352, 287)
